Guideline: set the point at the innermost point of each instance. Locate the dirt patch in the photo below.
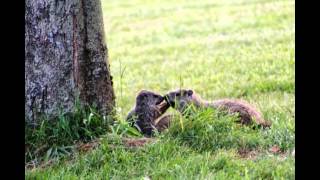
(36, 165)
(85, 147)
(248, 153)
(137, 142)
(275, 149)
(30, 165)
(79, 146)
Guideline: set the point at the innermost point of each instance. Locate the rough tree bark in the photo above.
(65, 57)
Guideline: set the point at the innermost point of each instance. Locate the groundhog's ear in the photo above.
(189, 92)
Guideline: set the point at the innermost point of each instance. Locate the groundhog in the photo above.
(163, 122)
(182, 98)
(148, 108)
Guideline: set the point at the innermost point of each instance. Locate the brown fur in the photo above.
(181, 98)
(163, 122)
(149, 107)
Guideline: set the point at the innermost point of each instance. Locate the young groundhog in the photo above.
(163, 122)
(148, 108)
(180, 99)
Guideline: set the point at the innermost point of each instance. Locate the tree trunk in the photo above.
(66, 58)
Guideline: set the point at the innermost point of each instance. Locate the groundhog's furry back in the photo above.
(180, 99)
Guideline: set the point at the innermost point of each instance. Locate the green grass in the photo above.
(52, 140)
(235, 49)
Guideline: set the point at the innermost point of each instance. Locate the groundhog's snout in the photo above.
(169, 100)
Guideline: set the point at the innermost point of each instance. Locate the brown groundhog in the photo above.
(180, 99)
(163, 122)
(148, 108)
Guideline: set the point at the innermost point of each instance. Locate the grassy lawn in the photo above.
(234, 48)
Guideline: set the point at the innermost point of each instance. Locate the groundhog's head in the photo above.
(180, 99)
(148, 99)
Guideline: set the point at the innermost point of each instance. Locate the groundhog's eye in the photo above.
(178, 94)
(189, 92)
